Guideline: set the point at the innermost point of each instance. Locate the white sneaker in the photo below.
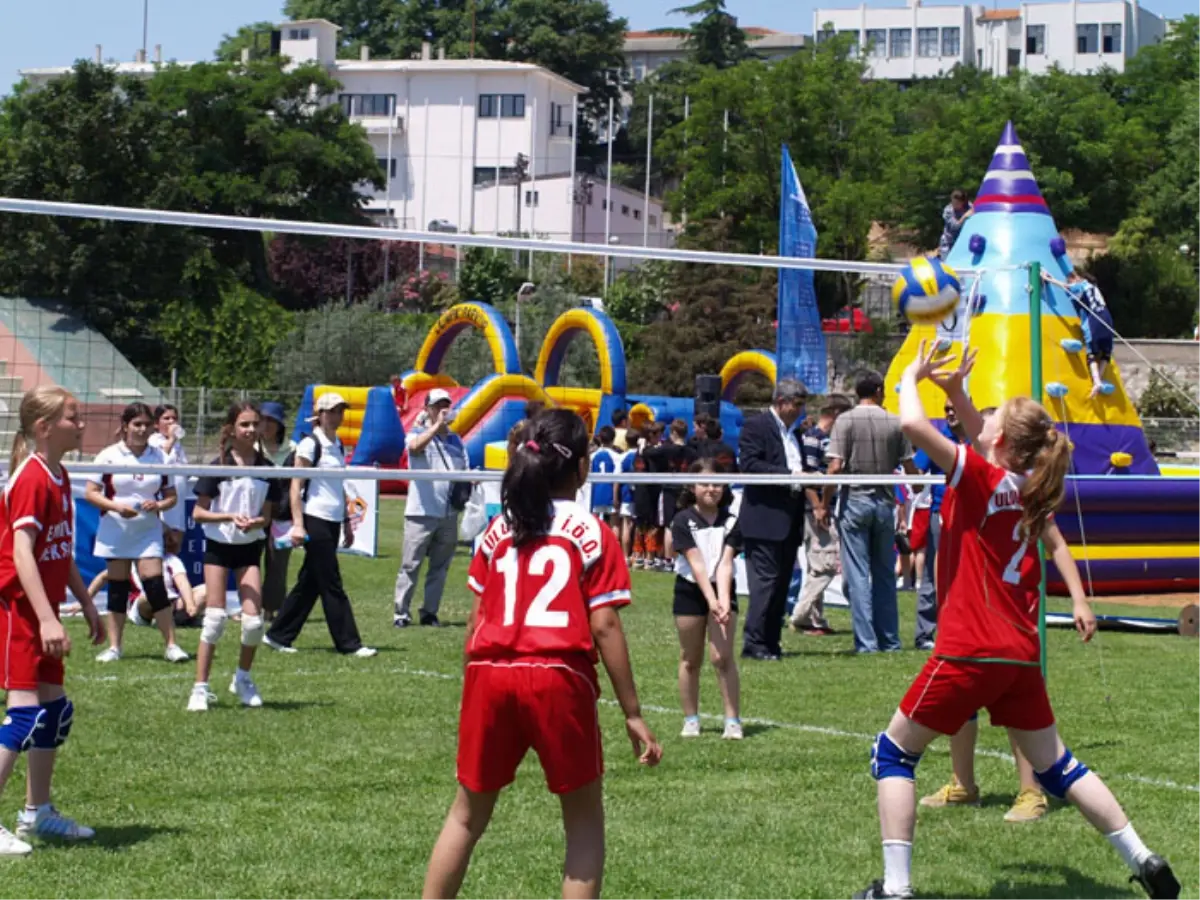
(48, 822)
(691, 728)
(112, 654)
(364, 652)
(200, 699)
(174, 653)
(11, 845)
(275, 645)
(246, 690)
(733, 730)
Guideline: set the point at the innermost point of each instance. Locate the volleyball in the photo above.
(926, 290)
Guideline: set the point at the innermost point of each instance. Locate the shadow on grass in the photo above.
(291, 705)
(120, 837)
(752, 729)
(1060, 881)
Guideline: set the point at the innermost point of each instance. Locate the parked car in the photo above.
(444, 226)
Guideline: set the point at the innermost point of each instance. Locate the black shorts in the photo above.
(233, 556)
(689, 600)
(670, 505)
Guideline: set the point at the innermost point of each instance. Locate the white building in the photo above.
(646, 51)
(444, 130)
(915, 41)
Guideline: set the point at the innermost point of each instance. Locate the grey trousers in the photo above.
(821, 564)
(927, 595)
(425, 537)
(274, 588)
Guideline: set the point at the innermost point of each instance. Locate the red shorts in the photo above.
(918, 533)
(508, 707)
(947, 692)
(22, 663)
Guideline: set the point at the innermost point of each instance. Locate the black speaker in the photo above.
(708, 395)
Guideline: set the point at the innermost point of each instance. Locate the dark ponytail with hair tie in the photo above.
(533, 477)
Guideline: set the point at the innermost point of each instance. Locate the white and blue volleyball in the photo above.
(926, 291)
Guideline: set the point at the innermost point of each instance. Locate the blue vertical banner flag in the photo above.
(799, 341)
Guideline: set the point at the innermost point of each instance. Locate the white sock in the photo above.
(1130, 846)
(897, 867)
(200, 686)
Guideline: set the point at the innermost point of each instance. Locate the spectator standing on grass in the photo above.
(771, 517)
(716, 448)
(627, 465)
(276, 446)
(168, 437)
(678, 454)
(867, 440)
(431, 510)
(820, 533)
(605, 461)
(620, 423)
(320, 516)
(647, 502)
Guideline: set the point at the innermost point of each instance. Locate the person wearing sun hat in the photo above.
(319, 517)
(431, 511)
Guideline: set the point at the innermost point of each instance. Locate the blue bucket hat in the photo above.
(272, 410)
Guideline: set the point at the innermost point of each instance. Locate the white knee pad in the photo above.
(252, 631)
(214, 626)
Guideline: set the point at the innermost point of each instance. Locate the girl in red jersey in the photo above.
(36, 568)
(987, 650)
(548, 579)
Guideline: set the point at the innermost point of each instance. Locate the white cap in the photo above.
(437, 395)
(329, 401)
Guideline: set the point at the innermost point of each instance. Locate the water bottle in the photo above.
(178, 432)
(285, 542)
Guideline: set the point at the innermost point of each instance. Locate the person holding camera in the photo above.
(431, 513)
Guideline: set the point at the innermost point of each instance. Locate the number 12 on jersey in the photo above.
(549, 561)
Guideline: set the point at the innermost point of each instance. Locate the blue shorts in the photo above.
(1098, 334)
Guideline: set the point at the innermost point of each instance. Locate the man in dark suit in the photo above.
(771, 517)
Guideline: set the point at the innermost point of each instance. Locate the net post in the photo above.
(1036, 389)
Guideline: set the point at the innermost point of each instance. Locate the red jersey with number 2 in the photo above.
(536, 599)
(34, 498)
(987, 576)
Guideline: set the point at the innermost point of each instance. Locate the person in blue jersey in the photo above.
(1097, 325)
(605, 461)
(625, 494)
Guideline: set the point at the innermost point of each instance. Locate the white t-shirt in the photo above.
(326, 497)
(128, 488)
(243, 496)
(176, 516)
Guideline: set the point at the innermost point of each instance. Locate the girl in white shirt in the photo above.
(168, 438)
(131, 529)
(234, 512)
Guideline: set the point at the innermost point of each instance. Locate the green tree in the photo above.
(714, 38)
(578, 39)
(488, 276)
(256, 38)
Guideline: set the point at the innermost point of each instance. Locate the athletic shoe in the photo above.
(200, 698)
(11, 845)
(48, 822)
(733, 730)
(429, 620)
(691, 728)
(925, 646)
(175, 653)
(875, 891)
(1157, 879)
(364, 652)
(275, 645)
(952, 794)
(401, 621)
(246, 690)
(112, 654)
(1030, 805)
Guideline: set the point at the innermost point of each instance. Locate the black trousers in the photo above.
(769, 567)
(321, 577)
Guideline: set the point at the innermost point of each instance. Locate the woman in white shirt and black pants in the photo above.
(325, 520)
(234, 512)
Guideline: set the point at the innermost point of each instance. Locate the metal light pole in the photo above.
(145, 25)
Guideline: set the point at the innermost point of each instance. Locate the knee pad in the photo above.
(1057, 779)
(18, 726)
(155, 590)
(214, 626)
(890, 760)
(252, 631)
(118, 597)
(55, 724)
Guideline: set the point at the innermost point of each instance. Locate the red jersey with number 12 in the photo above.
(987, 576)
(34, 498)
(536, 599)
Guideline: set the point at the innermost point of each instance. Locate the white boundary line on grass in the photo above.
(651, 708)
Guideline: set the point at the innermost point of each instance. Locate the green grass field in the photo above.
(339, 785)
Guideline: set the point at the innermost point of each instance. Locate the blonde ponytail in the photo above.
(1037, 447)
(46, 401)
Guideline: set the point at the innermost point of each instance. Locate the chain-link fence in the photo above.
(202, 412)
(1173, 435)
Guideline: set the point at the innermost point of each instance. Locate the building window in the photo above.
(512, 106)
(624, 210)
(531, 198)
(876, 43)
(637, 215)
(654, 221)
(1035, 40)
(639, 70)
(604, 204)
(825, 34)
(1110, 39)
(389, 171)
(901, 43)
(367, 104)
(853, 35)
(927, 42)
(560, 120)
(1087, 38)
(951, 42)
(1014, 59)
(489, 106)
(297, 34)
(485, 176)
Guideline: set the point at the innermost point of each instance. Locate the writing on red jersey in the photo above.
(59, 540)
(570, 521)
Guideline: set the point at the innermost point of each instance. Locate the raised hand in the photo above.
(951, 380)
